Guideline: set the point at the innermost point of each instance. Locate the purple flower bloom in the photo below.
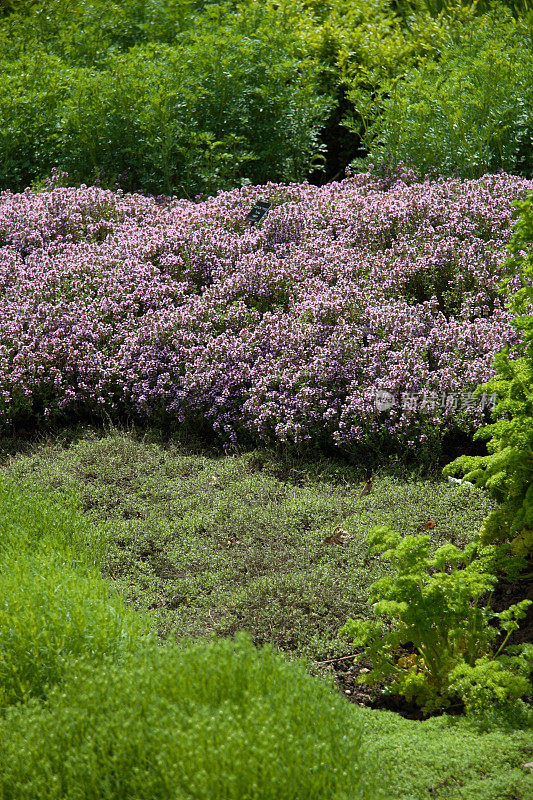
(113, 303)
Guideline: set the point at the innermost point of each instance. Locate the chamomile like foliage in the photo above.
(218, 719)
(166, 309)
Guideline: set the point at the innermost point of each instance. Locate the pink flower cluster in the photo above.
(116, 305)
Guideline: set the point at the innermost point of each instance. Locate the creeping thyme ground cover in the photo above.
(164, 309)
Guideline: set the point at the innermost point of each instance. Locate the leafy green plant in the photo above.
(32, 88)
(76, 31)
(507, 472)
(466, 109)
(431, 602)
(499, 681)
(227, 102)
(187, 96)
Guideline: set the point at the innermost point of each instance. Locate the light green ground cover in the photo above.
(213, 531)
(216, 545)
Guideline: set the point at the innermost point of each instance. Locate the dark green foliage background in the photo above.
(193, 106)
(184, 97)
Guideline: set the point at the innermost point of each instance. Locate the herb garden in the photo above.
(266, 400)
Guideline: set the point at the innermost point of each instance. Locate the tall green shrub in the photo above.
(467, 112)
(230, 101)
(33, 89)
(444, 83)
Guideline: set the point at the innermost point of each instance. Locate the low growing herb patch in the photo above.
(352, 316)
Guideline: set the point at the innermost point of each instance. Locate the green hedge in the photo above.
(227, 102)
(187, 96)
(466, 111)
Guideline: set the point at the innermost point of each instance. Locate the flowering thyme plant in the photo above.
(287, 331)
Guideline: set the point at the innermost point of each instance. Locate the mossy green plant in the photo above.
(212, 720)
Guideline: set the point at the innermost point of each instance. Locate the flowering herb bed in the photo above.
(356, 313)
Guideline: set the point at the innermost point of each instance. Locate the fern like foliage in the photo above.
(507, 471)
